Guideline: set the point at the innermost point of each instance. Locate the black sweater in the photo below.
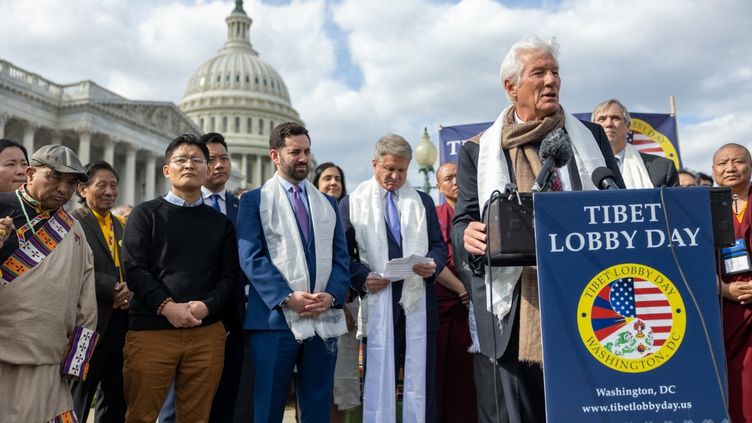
(187, 253)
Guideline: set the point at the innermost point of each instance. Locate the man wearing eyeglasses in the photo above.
(215, 195)
(182, 258)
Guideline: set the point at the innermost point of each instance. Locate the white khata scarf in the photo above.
(288, 256)
(493, 174)
(633, 169)
(376, 320)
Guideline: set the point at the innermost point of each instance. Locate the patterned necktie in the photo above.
(392, 217)
(300, 211)
(215, 202)
(556, 184)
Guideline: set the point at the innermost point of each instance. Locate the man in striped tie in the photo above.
(385, 218)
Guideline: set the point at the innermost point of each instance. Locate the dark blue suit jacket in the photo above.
(235, 312)
(231, 204)
(268, 287)
(436, 250)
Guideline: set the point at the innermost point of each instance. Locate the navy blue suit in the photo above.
(274, 351)
(359, 271)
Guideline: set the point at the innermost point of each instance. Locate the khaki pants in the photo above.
(153, 358)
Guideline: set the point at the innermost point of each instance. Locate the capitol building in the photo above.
(242, 97)
(234, 93)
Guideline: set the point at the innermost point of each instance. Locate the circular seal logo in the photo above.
(631, 318)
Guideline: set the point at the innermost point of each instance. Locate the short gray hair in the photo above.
(512, 66)
(392, 144)
(610, 101)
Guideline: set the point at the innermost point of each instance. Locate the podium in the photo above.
(629, 304)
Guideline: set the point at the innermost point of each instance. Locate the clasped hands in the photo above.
(376, 283)
(740, 291)
(185, 315)
(310, 305)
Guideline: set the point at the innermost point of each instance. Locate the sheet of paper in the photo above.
(400, 268)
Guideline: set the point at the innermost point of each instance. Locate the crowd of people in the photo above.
(199, 306)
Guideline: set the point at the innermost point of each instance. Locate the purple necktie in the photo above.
(392, 217)
(300, 211)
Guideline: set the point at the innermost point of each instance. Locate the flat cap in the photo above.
(59, 158)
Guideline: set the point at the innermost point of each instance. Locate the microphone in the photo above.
(555, 151)
(603, 178)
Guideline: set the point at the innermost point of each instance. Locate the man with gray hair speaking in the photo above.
(639, 170)
(386, 219)
(508, 152)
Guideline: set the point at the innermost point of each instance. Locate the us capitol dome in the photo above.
(242, 97)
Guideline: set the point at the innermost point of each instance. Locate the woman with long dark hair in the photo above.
(13, 163)
(330, 179)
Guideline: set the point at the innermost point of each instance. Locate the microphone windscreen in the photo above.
(600, 174)
(556, 145)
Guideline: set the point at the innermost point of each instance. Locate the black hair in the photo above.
(6, 143)
(185, 139)
(705, 177)
(283, 131)
(213, 138)
(324, 166)
(91, 169)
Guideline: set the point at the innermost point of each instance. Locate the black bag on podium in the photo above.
(508, 217)
(511, 235)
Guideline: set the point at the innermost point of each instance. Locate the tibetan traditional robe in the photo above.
(48, 311)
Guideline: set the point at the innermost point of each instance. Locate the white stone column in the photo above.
(84, 144)
(150, 181)
(129, 175)
(244, 169)
(56, 137)
(28, 136)
(257, 172)
(109, 151)
(4, 118)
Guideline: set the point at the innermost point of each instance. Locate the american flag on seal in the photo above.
(640, 299)
(631, 317)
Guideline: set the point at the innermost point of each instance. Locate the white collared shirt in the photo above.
(287, 185)
(222, 200)
(173, 198)
(620, 158)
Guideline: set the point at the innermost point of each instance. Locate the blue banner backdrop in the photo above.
(651, 133)
(623, 339)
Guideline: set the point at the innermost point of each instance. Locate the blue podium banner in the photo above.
(630, 307)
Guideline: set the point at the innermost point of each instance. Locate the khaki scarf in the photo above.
(522, 141)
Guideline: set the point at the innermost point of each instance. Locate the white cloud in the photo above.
(422, 63)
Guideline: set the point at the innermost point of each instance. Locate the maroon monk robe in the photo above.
(737, 334)
(455, 384)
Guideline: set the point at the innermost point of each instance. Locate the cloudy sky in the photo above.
(358, 69)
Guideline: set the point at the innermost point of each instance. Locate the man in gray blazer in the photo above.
(615, 120)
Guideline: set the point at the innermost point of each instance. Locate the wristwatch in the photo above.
(286, 300)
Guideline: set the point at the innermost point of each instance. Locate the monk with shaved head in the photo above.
(732, 167)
